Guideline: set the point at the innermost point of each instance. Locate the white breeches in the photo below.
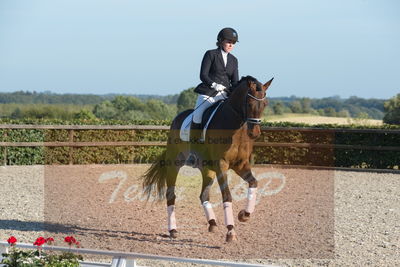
(203, 102)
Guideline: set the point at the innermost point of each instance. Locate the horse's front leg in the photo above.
(245, 173)
(227, 200)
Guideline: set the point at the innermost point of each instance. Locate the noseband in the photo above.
(255, 121)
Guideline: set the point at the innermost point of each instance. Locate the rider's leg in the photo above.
(202, 103)
(195, 136)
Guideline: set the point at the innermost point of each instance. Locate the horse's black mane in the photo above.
(248, 78)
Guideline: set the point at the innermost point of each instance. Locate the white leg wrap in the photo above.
(171, 217)
(208, 211)
(228, 213)
(251, 199)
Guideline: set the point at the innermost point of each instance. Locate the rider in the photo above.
(218, 73)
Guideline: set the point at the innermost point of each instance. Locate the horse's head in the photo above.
(256, 101)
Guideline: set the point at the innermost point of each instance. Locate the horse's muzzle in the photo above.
(253, 130)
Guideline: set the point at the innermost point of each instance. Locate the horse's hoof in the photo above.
(212, 228)
(173, 233)
(243, 216)
(231, 236)
(192, 161)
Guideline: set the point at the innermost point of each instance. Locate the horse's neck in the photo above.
(235, 104)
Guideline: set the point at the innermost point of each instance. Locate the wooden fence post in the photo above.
(5, 149)
(71, 148)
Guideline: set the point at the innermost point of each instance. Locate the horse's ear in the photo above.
(267, 84)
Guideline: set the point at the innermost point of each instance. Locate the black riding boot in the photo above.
(195, 141)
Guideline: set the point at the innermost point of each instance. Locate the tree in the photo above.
(126, 103)
(186, 100)
(330, 112)
(132, 108)
(343, 113)
(278, 108)
(392, 108)
(158, 110)
(268, 111)
(362, 116)
(105, 110)
(321, 112)
(296, 107)
(306, 105)
(84, 114)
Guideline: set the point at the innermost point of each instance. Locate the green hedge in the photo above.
(271, 155)
(331, 157)
(80, 155)
(377, 159)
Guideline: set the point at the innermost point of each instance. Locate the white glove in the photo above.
(218, 87)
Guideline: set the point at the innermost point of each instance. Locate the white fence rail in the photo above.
(126, 259)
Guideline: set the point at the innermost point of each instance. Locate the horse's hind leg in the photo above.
(172, 158)
(245, 173)
(172, 172)
(208, 179)
(171, 179)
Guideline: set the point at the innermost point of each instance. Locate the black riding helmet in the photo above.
(227, 34)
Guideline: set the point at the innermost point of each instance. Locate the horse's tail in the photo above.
(155, 178)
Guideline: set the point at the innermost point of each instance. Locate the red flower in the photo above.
(12, 240)
(78, 244)
(70, 240)
(50, 240)
(39, 241)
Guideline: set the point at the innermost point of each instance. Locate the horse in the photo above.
(228, 144)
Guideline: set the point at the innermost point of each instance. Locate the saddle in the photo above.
(205, 121)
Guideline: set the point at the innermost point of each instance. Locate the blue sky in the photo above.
(316, 48)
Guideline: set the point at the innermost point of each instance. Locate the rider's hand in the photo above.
(218, 87)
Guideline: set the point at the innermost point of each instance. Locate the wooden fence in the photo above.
(73, 143)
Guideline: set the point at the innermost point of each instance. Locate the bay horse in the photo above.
(228, 144)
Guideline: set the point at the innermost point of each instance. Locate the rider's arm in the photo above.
(205, 69)
(235, 75)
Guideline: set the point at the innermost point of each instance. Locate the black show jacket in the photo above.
(213, 70)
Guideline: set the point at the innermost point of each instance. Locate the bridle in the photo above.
(255, 121)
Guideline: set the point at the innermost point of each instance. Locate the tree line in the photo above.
(25, 104)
